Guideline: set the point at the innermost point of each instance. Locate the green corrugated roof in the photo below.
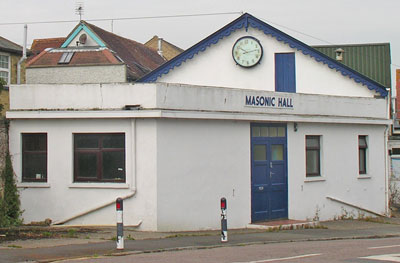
(371, 60)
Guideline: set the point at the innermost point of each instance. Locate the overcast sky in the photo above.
(327, 22)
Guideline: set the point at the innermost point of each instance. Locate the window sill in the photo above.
(315, 179)
(100, 185)
(33, 185)
(364, 177)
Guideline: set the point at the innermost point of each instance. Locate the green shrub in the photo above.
(10, 211)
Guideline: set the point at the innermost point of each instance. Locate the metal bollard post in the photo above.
(120, 224)
(224, 223)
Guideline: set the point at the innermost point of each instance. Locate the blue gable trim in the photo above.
(247, 20)
(82, 26)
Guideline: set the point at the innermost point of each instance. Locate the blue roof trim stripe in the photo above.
(247, 20)
(88, 31)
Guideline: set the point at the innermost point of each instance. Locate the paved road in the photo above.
(332, 251)
(37, 251)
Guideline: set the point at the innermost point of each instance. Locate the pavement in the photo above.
(92, 242)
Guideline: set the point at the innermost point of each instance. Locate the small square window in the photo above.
(34, 157)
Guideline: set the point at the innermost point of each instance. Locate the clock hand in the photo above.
(249, 51)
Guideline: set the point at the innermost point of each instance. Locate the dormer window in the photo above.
(65, 57)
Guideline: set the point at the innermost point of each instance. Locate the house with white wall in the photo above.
(90, 54)
(248, 113)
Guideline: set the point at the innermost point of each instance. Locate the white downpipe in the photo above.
(23, 55)
(132, 188)
(387, 170)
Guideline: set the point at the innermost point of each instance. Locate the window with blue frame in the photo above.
(285, 72)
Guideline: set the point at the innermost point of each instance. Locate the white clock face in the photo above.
(247, 52)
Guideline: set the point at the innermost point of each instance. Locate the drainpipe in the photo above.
(159, 50)
(23, 55)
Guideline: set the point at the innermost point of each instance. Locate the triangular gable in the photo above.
(246, 21)
(78, 29)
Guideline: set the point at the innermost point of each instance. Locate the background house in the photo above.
(10, 54)
(90, 54)
(164, 48)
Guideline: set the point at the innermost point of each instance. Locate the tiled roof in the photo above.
(139, 58)
(88, 57)
(9, 46)
(38, 45)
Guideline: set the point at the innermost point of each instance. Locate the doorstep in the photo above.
(284, 224)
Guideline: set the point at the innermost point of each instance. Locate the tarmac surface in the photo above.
(99, 241)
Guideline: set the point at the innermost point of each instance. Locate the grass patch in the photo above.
(14, 246)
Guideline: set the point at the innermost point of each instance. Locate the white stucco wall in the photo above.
(339, 167)
(76, 74)
(199, 162)
(60, 198)
(215, 67)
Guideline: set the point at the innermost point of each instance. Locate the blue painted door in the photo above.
(269, 195)
(285, 72)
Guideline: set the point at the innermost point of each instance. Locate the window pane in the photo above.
(255, 131)
(273, 131)
(312, 162)
(281, 132)
(362, 141)
(312, 141)
(264, 131)
(259, 153)
(35, 142)
(114, 165)
(362, 162)
(3, 61)
(277, 152)
(35, 166)
(87, 165)
(4, 76)
(86, 141)
(114, 141)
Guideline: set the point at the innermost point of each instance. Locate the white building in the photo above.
(297, 135)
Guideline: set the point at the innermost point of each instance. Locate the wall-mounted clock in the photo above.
(247, 51)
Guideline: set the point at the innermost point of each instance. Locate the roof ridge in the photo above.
(108, 32)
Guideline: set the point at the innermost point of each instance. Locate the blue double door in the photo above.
(269, 188)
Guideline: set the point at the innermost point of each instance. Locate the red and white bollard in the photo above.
(224, 222)
(120, 224)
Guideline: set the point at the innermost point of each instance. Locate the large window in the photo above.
(99, 157)
(5, 68)
(313, 156)
(362, 154)
(34, 157)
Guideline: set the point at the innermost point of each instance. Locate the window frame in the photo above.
(362, 151)
(26, 152)
(318, 150)
(8, 69)
(98, 152)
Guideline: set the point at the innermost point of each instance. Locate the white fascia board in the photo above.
(178, 114)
